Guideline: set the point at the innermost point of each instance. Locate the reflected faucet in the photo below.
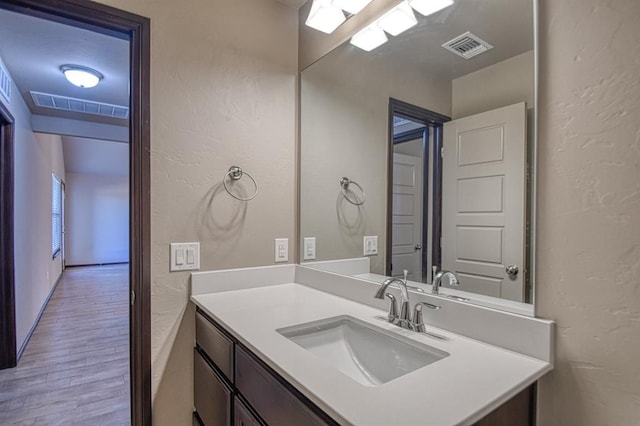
(437, 280)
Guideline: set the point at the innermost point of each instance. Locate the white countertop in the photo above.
(458, 390)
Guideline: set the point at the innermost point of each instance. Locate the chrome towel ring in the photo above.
(235, 173)
(344, 184)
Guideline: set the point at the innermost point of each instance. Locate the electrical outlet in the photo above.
(370, 245)
(309, 248)
(282, 249)
(185, 257)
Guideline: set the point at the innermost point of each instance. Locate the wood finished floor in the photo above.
(75, 369)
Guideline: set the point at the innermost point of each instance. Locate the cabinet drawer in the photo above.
(211, 396)
(216, 345)
(270, 398)
(242, 416)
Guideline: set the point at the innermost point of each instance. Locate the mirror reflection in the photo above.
(415, 158)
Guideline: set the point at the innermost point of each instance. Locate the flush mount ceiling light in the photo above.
(369, 38)
(324, 16)
(398, 19)
(81, 76)
(428, 7)
(351, 6)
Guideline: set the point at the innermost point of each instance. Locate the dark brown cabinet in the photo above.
(226, 375)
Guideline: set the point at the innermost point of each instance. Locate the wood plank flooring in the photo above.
(75, 369)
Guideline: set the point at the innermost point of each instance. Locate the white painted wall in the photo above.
(97, 219)
(223, 93)
(589, 210)
(505, 83)
(36, 157)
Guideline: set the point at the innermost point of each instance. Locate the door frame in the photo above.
(434, 122)
(8, 356)
(137, 30)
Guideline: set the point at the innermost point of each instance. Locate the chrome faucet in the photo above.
(437, 280)
(404, 320)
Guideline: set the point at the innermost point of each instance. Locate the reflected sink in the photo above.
(367, 354)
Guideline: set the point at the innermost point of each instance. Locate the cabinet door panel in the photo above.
(242, 416)
(215, 344)
(272, 400)
(212, 397)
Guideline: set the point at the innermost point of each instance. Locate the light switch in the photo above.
(282, 250)
(370, 245)
(185, 257)
(180, 256)
(309, 248)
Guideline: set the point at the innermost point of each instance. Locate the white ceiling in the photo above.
(91, 156)
(34, 49)
(506, 24)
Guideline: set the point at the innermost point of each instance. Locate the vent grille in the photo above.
(467, 45)
(64, 103)
(5, 84)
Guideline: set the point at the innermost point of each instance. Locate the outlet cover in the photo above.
(370, 245)
(309, 247)
(185, 257)
(282, 250)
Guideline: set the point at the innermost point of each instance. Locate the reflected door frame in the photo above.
(434, 121)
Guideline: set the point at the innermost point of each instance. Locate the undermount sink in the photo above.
(369, 355)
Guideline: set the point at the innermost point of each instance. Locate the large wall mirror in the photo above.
(417, 157)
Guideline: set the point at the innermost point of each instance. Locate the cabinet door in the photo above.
(212, 397)
(270, 398)
(242, 416)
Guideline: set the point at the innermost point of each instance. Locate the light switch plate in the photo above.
(184, 257)
(370, 245)
(282, 250)
(309, 248)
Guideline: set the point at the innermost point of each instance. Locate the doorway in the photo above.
(136, 29)
(413, 191)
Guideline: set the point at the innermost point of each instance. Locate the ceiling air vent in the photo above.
(64, 103)
(467, 45)
(5, 84)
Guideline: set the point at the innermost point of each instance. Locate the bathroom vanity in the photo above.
(270, 349)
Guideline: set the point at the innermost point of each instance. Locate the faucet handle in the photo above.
(393, 307)
(418, 321)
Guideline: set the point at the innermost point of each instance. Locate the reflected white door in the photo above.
(406, 232)
(483, 201)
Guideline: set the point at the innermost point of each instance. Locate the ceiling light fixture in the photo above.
(324, 16)
(81, 76)
(369, 38)
(398, 20)
(351, 6)
(428, 7)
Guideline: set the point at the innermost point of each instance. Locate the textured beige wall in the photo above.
(344, 122)
(505, 83)
(589, 210)
(223, 93)
(36, 156)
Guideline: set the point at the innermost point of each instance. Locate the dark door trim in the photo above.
(434, 121)
(8, 355)
(136, 29)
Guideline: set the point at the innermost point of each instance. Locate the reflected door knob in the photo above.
(418, 247)
(512, 270)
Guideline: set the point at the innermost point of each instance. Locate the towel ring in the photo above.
(235, 173)
(344, 184)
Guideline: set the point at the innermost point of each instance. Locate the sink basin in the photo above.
(367, 354)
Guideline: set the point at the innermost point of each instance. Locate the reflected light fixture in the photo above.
(369, 38)
(428, 7)
(398, 19)
(351, 6)
(81, 76)
(324, 16)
